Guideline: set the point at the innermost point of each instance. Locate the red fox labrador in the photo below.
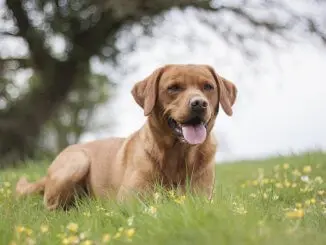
(174, 148)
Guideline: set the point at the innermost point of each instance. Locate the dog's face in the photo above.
(186, 99)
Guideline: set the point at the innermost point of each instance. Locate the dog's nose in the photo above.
(198, 104)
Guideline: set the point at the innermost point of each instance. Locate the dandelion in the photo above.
(73, 227)
(321, 192)
(44, 228)
(307, 169)
(286, 166)
(299, 213)
(106, 238)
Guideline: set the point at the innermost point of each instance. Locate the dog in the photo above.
(175, 147)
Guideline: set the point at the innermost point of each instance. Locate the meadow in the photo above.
(280, 200)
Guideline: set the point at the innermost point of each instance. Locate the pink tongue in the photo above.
(194, 134)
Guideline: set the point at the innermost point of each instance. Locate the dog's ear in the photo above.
(227, 92)
(145, 91)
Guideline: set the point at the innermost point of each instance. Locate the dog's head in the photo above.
(185, 99)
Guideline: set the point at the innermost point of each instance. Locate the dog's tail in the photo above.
(23, 187)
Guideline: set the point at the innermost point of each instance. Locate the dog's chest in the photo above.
(176, 168)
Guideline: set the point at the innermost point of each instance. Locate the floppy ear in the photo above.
(227, 92)
(145, 91)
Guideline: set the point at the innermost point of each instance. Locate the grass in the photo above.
(275, 201)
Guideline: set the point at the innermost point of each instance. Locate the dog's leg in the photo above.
(63, 176)
(136, 183)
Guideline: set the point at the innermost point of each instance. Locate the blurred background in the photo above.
(67, 68)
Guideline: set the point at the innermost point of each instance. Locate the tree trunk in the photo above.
(21, 124)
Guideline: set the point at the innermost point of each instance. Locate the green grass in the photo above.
(251, 205)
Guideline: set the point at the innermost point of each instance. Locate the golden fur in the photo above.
(115, 167)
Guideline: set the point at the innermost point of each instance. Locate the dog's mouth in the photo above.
(192, 131)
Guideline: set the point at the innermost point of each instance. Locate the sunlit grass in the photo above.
(275, 201)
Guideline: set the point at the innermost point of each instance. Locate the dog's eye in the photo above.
(208, 87)
(174, 88)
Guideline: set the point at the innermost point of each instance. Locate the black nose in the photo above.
(198, 104)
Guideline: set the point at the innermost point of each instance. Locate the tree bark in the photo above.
(21, 124)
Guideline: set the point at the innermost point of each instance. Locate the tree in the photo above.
(90, 28)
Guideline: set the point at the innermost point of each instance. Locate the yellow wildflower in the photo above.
(298, 205)
(73, 227)
(130, 232)
(312, 200)
(180, 200)
(28, 231)
(299, 213)
(279, 185)
(287, 184)
(87, 242)
(321, 192)
(286, 166)
(254, 182)
(307, 169)
(307, 202)
(73, 240)
(20, 229)
(265, 181)
(106, 238)
(44, 228)
(171, 193)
